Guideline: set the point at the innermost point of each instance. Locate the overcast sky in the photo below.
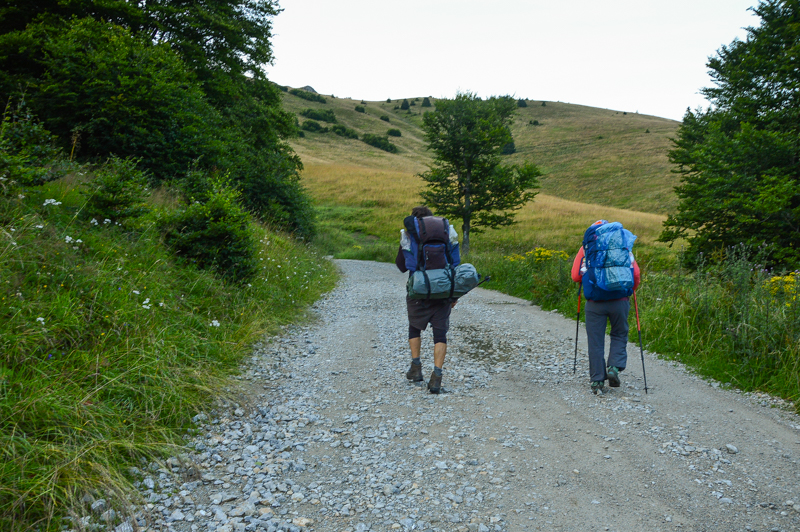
(629, 55)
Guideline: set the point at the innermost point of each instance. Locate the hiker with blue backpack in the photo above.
(608, 274)
(428, 245)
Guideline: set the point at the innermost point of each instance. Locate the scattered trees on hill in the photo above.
(313, 126)
(344, 131)
(308, 96)
(522, 103)
(466, 179)
(326, 115)
(405, 105)
(394, 133)
(426, 102)
(738, 160)
(379, 142)
(360, 109)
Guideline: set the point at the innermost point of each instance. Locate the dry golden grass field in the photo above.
(596, 163)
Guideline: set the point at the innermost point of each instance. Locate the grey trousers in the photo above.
(598, 313)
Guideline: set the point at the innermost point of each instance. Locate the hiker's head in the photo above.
(421, 211)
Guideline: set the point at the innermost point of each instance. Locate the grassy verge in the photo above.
(109, 347)
(737, 324)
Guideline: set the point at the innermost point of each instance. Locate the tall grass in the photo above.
(736, 323)
(108, 348)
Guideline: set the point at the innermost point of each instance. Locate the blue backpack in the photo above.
(609, 270)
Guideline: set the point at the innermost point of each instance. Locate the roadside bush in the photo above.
(214, 235)
(325, 115)
(404, 106)
(522, 103)
(28, 152)
(394, 133)
(345, 132)
(426, 102)
(271, 190)
(308, 96)
(385, 118)
(117, 192)
(313, 126)
(377, 141)
(360, 109)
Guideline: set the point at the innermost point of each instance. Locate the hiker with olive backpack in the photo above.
(608, 273)
(429, 251)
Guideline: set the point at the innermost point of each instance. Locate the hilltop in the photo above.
(586, 154)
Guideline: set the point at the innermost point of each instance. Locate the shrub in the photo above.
(117, 192)
(394, 133)
(326, 115)
(309, 96)
(413, 103)
(385, 118)
(426, 102)
(625, 112)
(282, 88)
(215, 235)
(544, 104)
(647, 131)
(533, 122)
(360, 109)
(313, 126)
(404, 106)
(396, 107)
(509, 148)
(379, 142)
(388, 100)
(28, 154)
(345, 132)
(522, 103)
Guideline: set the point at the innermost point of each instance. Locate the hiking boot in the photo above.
(414, 373)
(435, 383)
(613, 376)
(598, 388)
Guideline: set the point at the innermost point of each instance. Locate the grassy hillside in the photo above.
(586, 154)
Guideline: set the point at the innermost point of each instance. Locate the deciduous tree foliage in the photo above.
(739, 160)
(167, 82)
(466, 179)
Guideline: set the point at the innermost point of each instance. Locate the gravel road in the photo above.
(329, 435)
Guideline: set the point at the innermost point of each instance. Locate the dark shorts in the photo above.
(421, 312)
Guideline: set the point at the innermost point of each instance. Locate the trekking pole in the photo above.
(639, 328)
(487, 278)
(577, 328)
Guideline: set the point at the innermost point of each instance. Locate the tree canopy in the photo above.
(466, 179)
(739, 160)
(177, 84)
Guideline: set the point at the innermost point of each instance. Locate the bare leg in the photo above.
(416, 345)
(439, 351)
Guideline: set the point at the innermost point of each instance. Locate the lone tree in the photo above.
(740, 159)
(466, 179)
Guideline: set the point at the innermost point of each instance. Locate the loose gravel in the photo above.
(329, 435)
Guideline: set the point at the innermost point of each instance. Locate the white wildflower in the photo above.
(214, 323)
(51, 202)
